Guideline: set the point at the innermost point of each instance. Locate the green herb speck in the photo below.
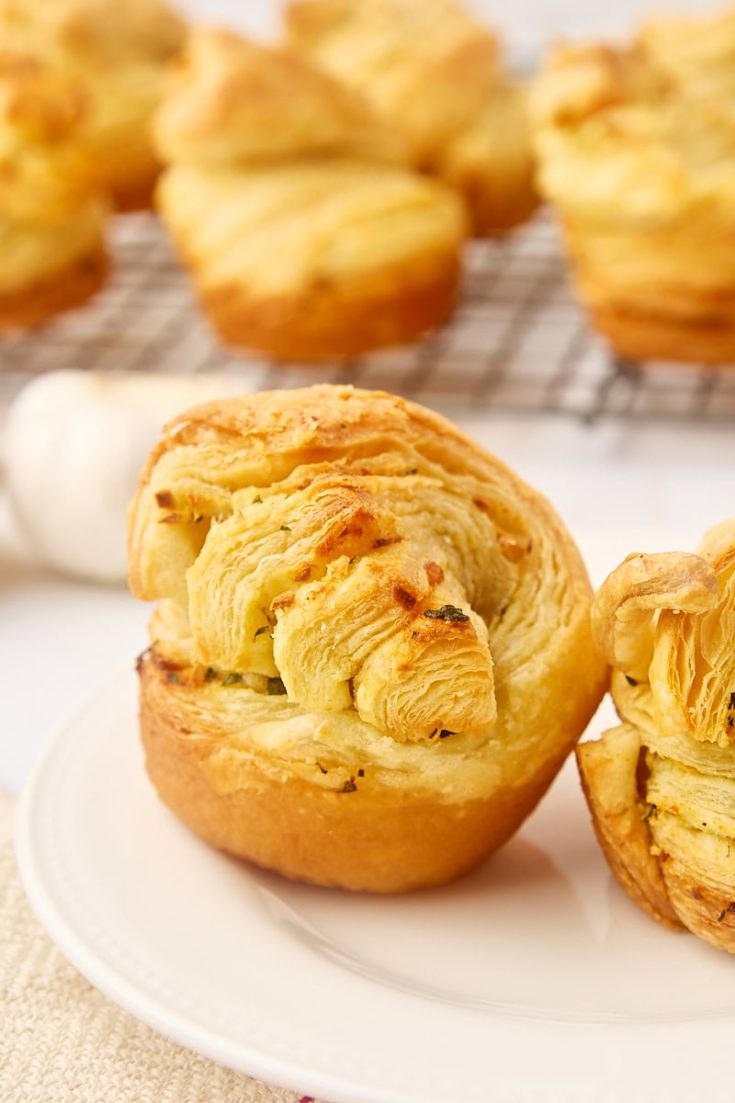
(232, 679)
(447, 612)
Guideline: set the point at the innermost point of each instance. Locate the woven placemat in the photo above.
(62, 1041)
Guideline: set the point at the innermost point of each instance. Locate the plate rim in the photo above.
(114, 985)
(244, 1057)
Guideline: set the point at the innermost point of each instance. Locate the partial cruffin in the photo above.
(636, 150)
(661, 786)
(53, 253)
(118, 54)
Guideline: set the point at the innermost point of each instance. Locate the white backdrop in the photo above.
(527, 24)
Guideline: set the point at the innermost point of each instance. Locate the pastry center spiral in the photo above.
(352, 590)
(356, 554)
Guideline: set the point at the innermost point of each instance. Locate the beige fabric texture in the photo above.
(62, 1041)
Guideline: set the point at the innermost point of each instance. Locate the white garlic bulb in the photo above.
(75, 442)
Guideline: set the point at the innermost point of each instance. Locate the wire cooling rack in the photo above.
(518, 343)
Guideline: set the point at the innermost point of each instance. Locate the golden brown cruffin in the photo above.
(118, 53)
(232, 101)
(52, 250)
(434, 73)
(636, 148)
(490, 163)
(372, 651)
(314, 245)
(661, 787)
(695, 53)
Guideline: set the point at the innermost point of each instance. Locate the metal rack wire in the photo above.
(518, 343)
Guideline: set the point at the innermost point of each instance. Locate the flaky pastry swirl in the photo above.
(661, 787)
(359, 605)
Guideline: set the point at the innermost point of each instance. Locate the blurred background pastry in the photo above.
(661, 787)
(372, 651)
(306, 236)
(118, 53)
(637, 151)
(52, 250)
(434, 73)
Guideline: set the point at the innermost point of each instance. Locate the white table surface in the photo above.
(619, 487)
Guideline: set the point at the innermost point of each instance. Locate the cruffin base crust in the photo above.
(495, 208)
(63, 289)
(704, 910)
(135, 194)
(342, 318)
(377, 838)
(622, 834)
(641, 336)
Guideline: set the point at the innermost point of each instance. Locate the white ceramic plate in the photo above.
(533, 980)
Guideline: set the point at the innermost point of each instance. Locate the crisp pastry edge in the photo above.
(345, 317)
(312, 834)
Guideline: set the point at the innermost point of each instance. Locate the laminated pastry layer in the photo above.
(370, 579)
(667, 624)
(278, 229)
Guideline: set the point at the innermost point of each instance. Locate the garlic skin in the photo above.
(75, 442)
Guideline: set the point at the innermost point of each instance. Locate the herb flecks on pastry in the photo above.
(661, 787)
(372, 650)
